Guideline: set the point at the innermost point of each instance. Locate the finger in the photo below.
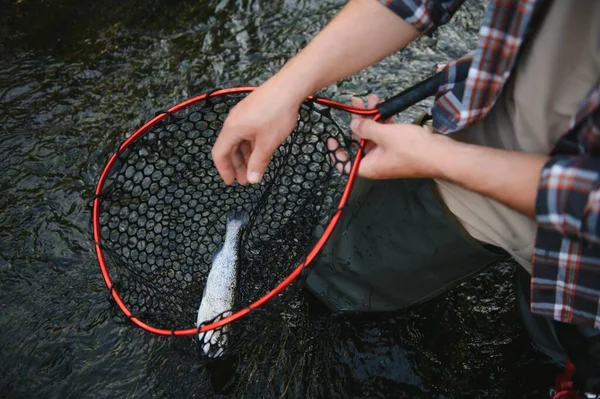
(389, 121)
(237, 159)
(221, 154)
(357, 138)
(258, 162)
(372, 101)
(367, 166)
(357, 103)
(367, 129)
(369, 146)
(338, 156)
(246, 149)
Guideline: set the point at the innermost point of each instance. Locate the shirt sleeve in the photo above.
(424, 15)
(568, 199)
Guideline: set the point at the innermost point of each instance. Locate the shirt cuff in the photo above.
(424, 15)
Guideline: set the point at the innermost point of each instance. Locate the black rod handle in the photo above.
(426, 88)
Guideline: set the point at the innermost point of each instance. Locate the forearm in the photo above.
(509, 177)
(364, 32)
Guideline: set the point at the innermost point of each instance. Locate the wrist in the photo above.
(439, 152)
(294, 82)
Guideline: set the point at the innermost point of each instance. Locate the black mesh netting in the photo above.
(163, 212)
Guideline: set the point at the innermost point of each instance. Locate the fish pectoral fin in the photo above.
(213, 342)
(215, 338)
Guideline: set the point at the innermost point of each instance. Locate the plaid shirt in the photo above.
(566, 260)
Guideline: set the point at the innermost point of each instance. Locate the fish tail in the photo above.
(239, 215)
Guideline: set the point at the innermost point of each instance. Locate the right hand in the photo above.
(261, 122)
(254, 129)
(392, 150)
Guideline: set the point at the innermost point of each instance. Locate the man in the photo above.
(516, 163)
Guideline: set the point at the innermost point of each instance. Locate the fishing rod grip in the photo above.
(426, 88)
(401, 101)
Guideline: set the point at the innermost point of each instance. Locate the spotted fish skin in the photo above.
(219, 291)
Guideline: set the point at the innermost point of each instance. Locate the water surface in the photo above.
(76, 77)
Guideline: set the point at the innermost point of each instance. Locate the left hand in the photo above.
(392, 150)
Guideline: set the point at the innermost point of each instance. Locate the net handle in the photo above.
(392, 106)
(426, 88)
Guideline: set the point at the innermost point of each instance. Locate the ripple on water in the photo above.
(78, 77)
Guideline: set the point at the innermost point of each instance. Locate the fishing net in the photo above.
(161, 215)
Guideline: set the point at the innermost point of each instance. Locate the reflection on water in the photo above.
(75, 79)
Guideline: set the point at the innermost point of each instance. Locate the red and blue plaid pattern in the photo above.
(566, 274)
(566, 263)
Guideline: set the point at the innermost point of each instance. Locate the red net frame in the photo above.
(373, 113)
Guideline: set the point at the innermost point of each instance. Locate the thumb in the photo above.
(366, 128)
(257, 163)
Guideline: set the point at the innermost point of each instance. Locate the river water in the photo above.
(75, 78)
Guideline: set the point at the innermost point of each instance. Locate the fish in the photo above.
(219, 291)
